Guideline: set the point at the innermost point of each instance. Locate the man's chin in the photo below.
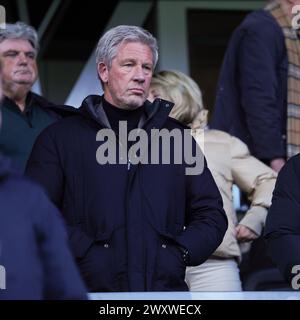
(24, 81)
(136, 102)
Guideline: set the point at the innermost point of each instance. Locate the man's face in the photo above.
(19, 66)
(127, 81)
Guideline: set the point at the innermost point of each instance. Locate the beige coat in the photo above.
(230, 163)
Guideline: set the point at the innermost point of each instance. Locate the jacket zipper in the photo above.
(128, 164)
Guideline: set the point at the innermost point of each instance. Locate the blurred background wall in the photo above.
(192, 36)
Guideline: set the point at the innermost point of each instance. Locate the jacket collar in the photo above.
(33, 99)
(155, 114)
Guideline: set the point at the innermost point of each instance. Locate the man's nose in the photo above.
(22, 59)
(139, 74)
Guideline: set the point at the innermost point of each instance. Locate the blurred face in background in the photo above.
(19, 68)
(152, 95)
(157, 93)
(288, 5)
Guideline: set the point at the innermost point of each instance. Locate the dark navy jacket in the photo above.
(126, 222)
(251, 101)
(282, 230)
(33, 244)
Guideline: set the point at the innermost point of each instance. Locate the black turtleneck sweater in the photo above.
(115, 114)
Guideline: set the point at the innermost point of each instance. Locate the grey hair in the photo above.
(108, 44)
(20, 30)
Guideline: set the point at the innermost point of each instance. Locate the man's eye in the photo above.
(30, 55)
(11, 54)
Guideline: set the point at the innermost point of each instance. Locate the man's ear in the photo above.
(102, 72)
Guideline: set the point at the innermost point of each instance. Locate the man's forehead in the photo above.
(129, 50)
(16, 44)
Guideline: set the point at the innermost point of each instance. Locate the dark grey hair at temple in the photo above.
(20, 30)
(111, 40)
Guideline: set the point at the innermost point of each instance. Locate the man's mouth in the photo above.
(23, 72)
(137, 91)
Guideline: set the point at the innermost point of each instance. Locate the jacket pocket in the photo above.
(169, 266)
(97, 265)
(79, 241)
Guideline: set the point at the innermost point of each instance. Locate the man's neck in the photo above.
(18, 97)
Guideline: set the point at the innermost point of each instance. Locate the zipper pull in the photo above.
(128, 164)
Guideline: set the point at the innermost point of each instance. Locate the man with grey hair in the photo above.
(35, 258)
(25, 114)
(132, 227)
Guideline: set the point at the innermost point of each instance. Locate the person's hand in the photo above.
(245, 234)
(277, 164)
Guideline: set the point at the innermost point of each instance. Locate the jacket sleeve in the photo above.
(45, 167)
(206, 221)
(62, 280)
(282, 231)
(259, 83)
(256, 179)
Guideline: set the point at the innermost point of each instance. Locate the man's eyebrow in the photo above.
(10, 50)
(134, 60)
(15, 50)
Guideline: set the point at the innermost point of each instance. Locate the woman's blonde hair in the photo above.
(180, 89)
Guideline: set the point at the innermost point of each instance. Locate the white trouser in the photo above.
(214, 275)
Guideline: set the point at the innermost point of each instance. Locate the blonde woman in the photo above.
(230, 162)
